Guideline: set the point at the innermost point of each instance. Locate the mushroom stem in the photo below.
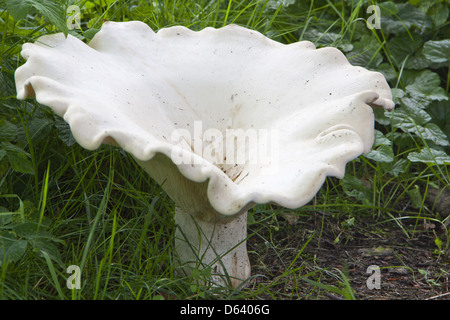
(220, 246)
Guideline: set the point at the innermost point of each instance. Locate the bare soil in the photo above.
(411, 266)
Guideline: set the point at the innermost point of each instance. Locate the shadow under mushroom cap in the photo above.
(135, 88)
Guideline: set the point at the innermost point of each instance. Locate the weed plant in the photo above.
(61, 205)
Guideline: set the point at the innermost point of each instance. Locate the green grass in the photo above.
(63, 205)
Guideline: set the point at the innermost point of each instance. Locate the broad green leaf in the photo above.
(418, 61)
(437, 51)
(89, 34)
(366, 53)
(388, 8)
(407, 117)
(20, 210)
(416, 120)
(382, 150)
(64, 132)
(5, 218)
(381, 117)
(397, 94)
(38, 238)
(388, 71)
(53, 12)
(407, 18)
(39, 128)
(380, 139)
(89, 5)
(396, 168)
(9, 148)
(30, 230)
(430, 156)
(46, 246)
(432, 132)
(8, 131)
(2, 154)
(354, 187)
(11, 249)
(401, 47)
(425, 95)
(425, 86)
(381, 153)
(440, 112)
(439, 12)
(20, 163)
(410, 77)
(327, 39)
(18, 158)
(18, 9)
(416, 102)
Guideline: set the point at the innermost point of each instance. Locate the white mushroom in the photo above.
(178, 100)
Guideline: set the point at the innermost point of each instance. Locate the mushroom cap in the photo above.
(150, 92)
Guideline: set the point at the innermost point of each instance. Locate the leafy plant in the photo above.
(18, 232)
(412, 50)
(12, 155)
(53, 11)
(52, 207)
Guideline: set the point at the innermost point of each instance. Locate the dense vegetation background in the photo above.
(61, 205)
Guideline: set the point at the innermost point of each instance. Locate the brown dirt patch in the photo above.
(411, 267)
